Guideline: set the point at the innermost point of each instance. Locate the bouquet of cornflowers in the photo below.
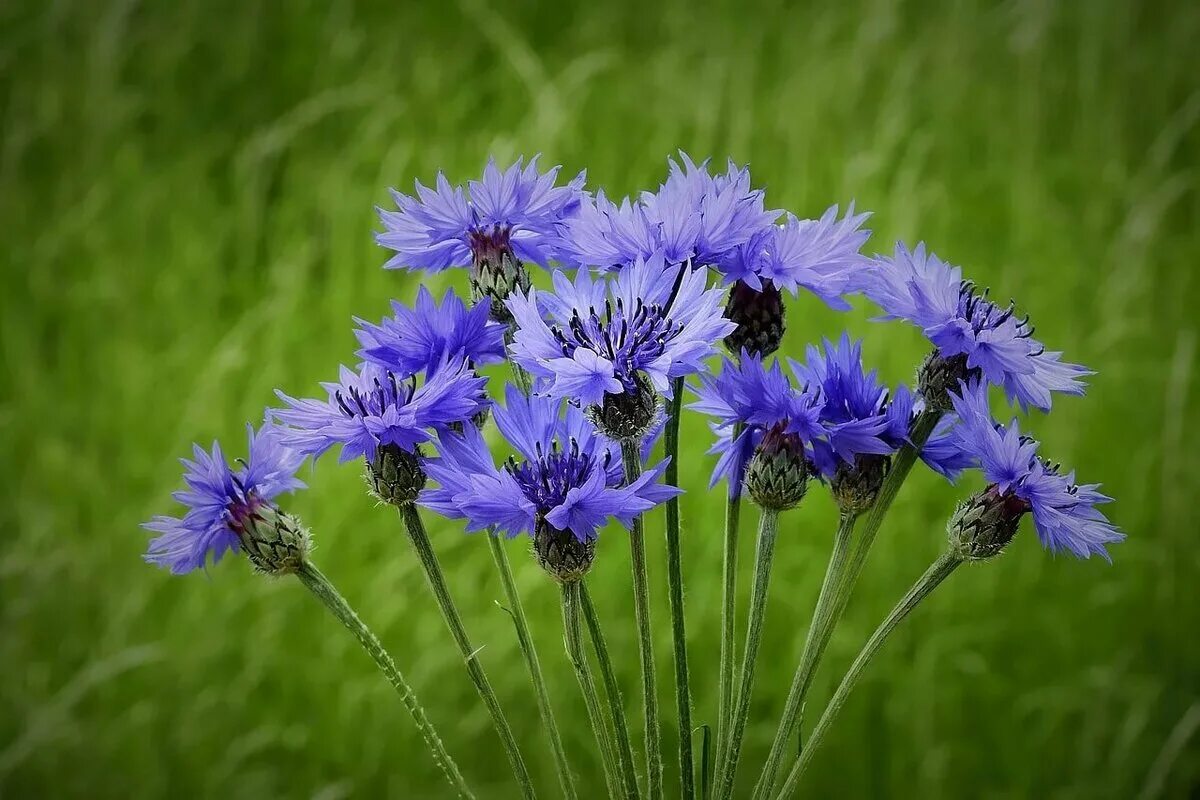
(644, 292)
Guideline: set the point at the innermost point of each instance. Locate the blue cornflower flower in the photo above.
(374, 407)
(564, 484)
(495, 227)
(223, 502)
(1064, 514)
(861, 417)
(972, 335)
(751, 403)
(505, 212)
(651, 319)
(694, 217)
(822, 256)
(421, 338)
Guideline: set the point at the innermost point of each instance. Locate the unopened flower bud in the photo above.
(629, 415)
(274, 542)
(983, 524)
(777, 475)
(395, 475)
(759, 316)
(495, 271)
(938, 376)
(855, 487)
(562, 553)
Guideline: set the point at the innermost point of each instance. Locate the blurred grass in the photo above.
(186, 197)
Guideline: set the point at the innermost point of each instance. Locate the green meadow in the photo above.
(186, 213)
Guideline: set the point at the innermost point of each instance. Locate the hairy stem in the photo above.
(437, 583)
(533, 665)
(937, 572)
(573, 641)
(324, 590)
(683, 693)
(824, 620)
(616, 708)
(768, 526)
(641, 608)
(725, 697)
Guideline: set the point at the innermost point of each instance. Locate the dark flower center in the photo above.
(354, 402)
(983, 314)
(546, 479)
(629, 338)
(490, 245)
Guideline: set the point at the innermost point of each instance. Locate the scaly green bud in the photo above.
(561, 553)
(777, 475)
(938, 376)
(983, 524)
(275, 542)
(856, 487)
(395, 475)
(496, 272)
(759, 317)
(628, 416)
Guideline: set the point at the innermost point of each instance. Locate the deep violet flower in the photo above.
(860, 415)
(693, 217)
(1065, 514)
(374, 408)
(510, 211)
(750, 400)
(421, 338)
(651, 319)
(564, 483)
(223, 501)
(822, 256)
(972, 335)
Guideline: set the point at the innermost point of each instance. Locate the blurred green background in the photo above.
(186, 194)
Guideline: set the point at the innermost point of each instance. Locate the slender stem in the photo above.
(641, 609)
(437, 583)
(573, 640)
(529, 651)
(768, 525)
(902, 464)
(725, 697)
(823, 622)
(616, 708)
(683, 694)
(319, 585)
(937, 572)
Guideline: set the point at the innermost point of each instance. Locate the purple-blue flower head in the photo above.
(512, 212)
(593, 337)
(421, 338)
(748, 399)
(565, 474)
(694, 217)
(221, 499)
(860, 415)
(823, 256)
(1065, 514)
(919, 287)
(373, 407)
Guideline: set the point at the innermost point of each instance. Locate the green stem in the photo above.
(902, 464)
(641, 609)
(683, 694)
(616, 708)
(573, 641)
(319, 585)
(725, 697)
(937, 572)
(529, 651)
(437, 583)
(768, 525)
(823, 622)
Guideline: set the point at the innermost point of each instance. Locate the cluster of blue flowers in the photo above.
(643, 292)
